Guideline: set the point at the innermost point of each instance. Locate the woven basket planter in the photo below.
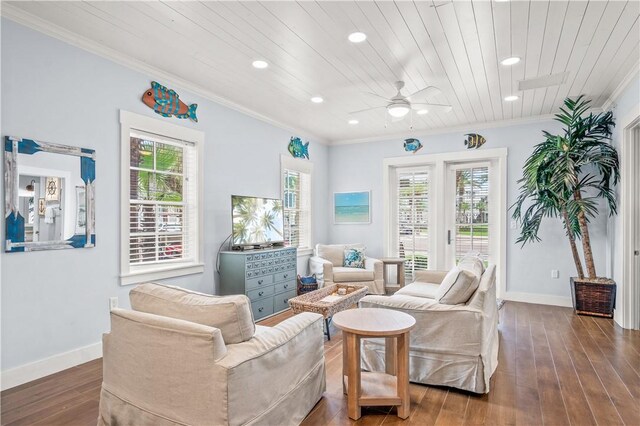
(595, 298)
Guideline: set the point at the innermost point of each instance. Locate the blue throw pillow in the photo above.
(354, 258)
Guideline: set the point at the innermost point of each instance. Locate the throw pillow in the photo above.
(472, 264)
(354, 258)
(457, 287)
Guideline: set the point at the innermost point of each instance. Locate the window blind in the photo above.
(163, 200)
(297, 208)
(412, 219)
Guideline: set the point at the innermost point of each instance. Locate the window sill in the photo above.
(305, 252)
(162, 273)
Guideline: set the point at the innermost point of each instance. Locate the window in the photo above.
(412, 219)
(296, 196)
(472, 212)
(161, 193)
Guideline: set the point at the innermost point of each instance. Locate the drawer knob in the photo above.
(260, 309)
(260, 281)
(286, 286)
(286, 300)
(261, 293)
(286, 275)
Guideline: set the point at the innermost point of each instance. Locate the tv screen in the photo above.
(256, 221)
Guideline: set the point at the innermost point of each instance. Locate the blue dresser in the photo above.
(267, 277)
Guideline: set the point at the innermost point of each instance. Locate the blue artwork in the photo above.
(167, 103)
(412, 145)
(15, 240)
(298, 149)
(352, 207)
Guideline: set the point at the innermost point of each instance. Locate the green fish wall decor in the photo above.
(474, 140)
(298, 149)
(167, 103)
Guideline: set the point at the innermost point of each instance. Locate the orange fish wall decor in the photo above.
(167, 103)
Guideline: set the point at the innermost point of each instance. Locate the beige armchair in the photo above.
(162, 370)
(327, 264)
(451, 345)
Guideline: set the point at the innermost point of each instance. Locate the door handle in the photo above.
(449, 237)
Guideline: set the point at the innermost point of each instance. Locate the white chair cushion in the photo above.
(231, 314)
(420, 289)
(342, 274)
(457, 287)
(472, 264)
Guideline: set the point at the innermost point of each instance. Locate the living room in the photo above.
(424, 112)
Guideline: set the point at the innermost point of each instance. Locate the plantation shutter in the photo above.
(412, 219)
(297, 208)
(163, 200)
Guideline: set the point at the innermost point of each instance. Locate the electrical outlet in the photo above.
(555, 273)
(113, 303)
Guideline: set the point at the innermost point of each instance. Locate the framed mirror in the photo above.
(49, 195)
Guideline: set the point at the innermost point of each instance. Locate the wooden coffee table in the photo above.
(372, 388)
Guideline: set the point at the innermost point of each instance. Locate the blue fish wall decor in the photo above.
(474, 140)
(412, 145)
(298, 149)
(167, 103)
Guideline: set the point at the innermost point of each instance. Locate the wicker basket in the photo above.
(593, 298)
(307, 284)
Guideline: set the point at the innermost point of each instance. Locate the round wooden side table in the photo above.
(372, 388)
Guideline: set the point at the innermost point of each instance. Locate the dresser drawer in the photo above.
(281, 301)
(285, 286)
(259, 282)
(261, 308)
(259, 293)
(285, 275)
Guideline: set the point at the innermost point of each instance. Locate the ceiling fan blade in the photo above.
(427, 91)
(377, 96)
(367, 109)
(431, 107)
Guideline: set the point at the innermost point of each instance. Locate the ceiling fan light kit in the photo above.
(400, 105)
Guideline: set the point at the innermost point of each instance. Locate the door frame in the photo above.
(438, 164)
(627, 314)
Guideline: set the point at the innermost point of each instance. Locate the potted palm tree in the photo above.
(566, 176)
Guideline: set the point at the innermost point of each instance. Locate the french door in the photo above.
(459, 222)
(468, 211)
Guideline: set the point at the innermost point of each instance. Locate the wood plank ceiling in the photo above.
(456, 46)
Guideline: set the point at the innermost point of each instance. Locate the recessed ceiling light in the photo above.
(422, 111)
(317, 100)
(511, 98)
(510, 61)
(260, 64)
(357, 37)
(501, 1)
(353, 121)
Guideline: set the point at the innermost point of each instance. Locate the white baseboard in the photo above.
(44, 367)
(540, 299)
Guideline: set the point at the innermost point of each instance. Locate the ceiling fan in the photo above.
(400, 105)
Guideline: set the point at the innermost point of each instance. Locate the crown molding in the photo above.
(620, 88)
(471, 127)
(19, 16)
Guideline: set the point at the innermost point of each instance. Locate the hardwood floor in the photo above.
(554, 368)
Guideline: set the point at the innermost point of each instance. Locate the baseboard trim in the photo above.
(44, 367)
(539, 299)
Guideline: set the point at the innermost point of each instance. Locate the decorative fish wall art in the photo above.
(167, 103)
(297, 149)
(412, 145)
(474, 140)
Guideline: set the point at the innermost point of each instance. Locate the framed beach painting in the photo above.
(352, 207)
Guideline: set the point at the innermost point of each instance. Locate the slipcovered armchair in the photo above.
(171, 361)
(452, 345)
(328, 262)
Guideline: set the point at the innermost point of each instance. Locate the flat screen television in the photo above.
(256, 221)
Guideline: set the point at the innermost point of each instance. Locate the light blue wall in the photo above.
(54, 302)
(359, 167)
(622, 108)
